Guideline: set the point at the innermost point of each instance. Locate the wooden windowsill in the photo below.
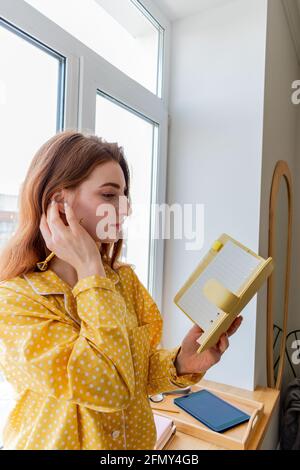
(269, 397)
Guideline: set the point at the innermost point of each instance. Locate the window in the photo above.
(31, 111)
(121, 31)
(136, 134)
(64, 63)
(28, 114)
(51, 71)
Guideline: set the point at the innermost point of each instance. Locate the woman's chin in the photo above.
(111, 236)
(109, 239)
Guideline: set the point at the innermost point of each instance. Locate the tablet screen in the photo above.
(211, 410)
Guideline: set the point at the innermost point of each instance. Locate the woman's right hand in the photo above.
(72, 243)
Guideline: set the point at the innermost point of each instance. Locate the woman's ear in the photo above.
(59, 197)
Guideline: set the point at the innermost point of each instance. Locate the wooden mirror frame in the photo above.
(281, 171)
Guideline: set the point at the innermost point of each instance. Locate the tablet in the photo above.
(209, 409)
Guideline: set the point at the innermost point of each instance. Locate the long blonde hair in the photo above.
(63, 162)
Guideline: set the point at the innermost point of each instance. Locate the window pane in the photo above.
(31, 109)
(119, 30)
(136, 135)
(30, 113)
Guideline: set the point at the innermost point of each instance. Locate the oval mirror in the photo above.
(280, 237)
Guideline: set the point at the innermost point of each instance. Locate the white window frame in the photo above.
(86, 72)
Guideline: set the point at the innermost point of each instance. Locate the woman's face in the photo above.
(100, 202)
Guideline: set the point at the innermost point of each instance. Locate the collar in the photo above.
(48, 282)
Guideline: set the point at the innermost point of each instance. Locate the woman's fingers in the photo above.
(195, 332)
(223, 343)
(55, 222)
(70, 216)
(235, 325)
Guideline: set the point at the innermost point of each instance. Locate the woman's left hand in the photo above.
(188, 361)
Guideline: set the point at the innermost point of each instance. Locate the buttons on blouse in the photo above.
(115, 434)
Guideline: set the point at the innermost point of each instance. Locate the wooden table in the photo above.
(183, 440)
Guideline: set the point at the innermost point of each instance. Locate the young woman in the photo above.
(79, 340)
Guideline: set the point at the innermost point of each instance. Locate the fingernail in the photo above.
(66, 204)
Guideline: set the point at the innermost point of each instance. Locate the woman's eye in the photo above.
(108, 195)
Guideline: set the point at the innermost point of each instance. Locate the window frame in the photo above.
(85, 73)
(62, 67)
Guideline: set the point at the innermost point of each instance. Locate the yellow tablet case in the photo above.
(221, 286)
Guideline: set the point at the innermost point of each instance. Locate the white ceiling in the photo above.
(176, 9)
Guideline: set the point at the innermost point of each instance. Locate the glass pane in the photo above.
(30, 113)
(121, 31)
(135, 134)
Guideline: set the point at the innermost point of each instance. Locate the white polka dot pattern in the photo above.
(83, 361)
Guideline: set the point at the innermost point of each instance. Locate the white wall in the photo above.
(280, 143)
(215, 151)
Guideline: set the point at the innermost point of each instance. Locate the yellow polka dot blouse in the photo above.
(83, 361)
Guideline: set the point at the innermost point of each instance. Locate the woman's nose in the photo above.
(123, 208)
